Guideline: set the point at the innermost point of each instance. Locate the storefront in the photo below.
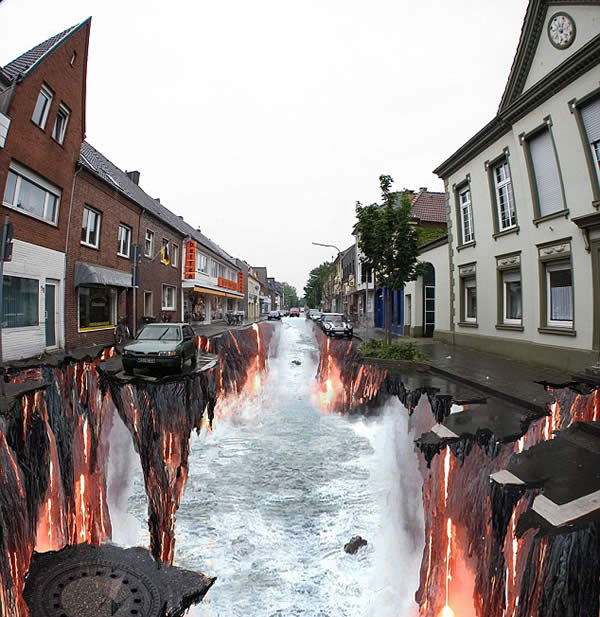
(203, 305)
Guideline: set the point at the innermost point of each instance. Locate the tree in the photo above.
(313, 290)
(290, 296)
(388, 242)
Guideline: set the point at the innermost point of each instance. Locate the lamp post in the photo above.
(333, 246)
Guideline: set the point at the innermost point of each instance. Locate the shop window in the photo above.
(97, 308)
(20, 302)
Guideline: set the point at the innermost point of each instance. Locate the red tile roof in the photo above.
(429, 207)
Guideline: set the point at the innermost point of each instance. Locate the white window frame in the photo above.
(201, 258)
(47, 94)
(465, 207)
(469, 282)
(127, 229)
(58, 134)
(511, 276)
(23, 173)
(149, 237)
(174, 254)
(99, 217)
(163, 298)
(553, 267)
(595, 146)
(506, 183)
(148, 293)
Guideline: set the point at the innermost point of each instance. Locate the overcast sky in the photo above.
(264, 121)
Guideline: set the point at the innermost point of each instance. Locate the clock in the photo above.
(561, 30)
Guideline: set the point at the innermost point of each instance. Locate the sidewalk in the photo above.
(497, 375)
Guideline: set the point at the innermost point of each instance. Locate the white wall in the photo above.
(35, 262)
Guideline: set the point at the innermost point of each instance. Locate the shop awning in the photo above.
(91, 274)
(214, 292)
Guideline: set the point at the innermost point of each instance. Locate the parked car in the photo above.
(315, 314)
(336, 324)
(294, 312)
(274, 315)
(162, 346)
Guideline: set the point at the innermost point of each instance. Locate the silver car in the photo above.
(336, 324)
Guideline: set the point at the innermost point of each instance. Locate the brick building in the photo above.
(42, 125)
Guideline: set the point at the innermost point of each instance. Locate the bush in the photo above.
(403, 351)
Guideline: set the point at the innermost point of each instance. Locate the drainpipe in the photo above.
(77, 170)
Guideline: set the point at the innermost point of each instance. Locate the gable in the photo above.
(537, 61)
(547, 57)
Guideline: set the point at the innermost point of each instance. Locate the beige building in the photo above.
(253, 296)
(523, 201)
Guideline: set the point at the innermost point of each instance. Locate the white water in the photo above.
(278, 488)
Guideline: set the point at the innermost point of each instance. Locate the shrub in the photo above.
(403, 351)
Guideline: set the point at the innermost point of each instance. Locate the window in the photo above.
(202, 262)
(168, 298)
(590, 115)
(148, 304)
(124, 240)
(548, 186)
(213, 268)
(28, 192)
(60, 124)
(97, 308)
(164, 252)
(470, 299)
(20, 302)
(149, 244)
(559, 294)
(174, 255)
(90, 228)
(505, 201)
(42, 107)
(512, 297)
(466, 215)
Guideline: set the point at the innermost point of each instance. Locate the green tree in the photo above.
(388, 242)
(290, 296)
(313, 290)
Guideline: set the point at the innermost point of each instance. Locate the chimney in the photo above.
(157, 199)
(134, 176)
(423, 189)
(198, 230)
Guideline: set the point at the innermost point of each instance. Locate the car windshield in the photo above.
(334, 318)
(159, 333)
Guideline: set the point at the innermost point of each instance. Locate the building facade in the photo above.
(523, 199)
(42, 125)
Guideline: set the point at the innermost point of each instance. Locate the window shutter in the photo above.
(590, 114)
(547, 178)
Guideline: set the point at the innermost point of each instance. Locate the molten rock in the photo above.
(354, 544)
(93, 581)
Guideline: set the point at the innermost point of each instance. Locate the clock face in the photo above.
(561, 30)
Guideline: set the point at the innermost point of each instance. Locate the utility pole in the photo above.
(136, 257)
(6, 247)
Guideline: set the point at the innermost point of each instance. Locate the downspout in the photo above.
(77, 170)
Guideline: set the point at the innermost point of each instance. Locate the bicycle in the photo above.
(121, 331)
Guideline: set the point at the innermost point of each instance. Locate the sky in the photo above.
(263, 122)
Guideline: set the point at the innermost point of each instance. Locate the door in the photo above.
(428, 300)
(50, 314)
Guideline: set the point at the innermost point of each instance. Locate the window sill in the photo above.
(460, 247)
(123, 256)
(29, 214)
(556, 330)
(468, 324)
(167, 308)
(96, 328)
(550, 217)
(506, 232)
(509, 326)
(90, 246)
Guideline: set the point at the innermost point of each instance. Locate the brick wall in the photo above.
(115, 209)
(34, 148)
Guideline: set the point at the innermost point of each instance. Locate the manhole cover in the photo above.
(94, 589)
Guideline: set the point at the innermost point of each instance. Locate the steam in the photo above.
(123, 466)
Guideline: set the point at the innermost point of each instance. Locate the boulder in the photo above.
(355, 543)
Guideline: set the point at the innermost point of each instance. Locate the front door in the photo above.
(50, 314)
(428, 299)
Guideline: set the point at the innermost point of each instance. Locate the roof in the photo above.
(26, 61)
(96, 163)
(429, 207)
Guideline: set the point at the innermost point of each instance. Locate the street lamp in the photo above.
(333, 246)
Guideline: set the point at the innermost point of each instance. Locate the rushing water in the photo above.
(278, 487)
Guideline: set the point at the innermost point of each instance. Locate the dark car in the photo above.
(336, 324)
(161, 346)
(274, 315)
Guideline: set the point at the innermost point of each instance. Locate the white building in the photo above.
(523, 199)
